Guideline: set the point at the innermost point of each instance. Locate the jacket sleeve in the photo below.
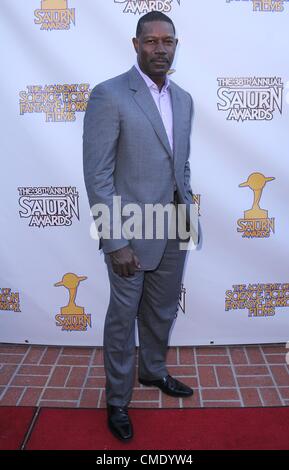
(192, 211)
(187, 174)
(100, 139)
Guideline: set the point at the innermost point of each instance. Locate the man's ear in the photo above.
(135, 44)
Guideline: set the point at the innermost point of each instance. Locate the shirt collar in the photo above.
(149, 81)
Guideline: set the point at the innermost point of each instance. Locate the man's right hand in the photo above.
(124, 261)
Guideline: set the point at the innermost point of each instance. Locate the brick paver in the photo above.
(224, 376)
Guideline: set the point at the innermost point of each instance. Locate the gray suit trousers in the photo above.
(151, 298)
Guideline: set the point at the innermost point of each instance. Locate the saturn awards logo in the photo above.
(250, 98)
(265, 5)
(9, 301)
(256, 223)
(145, 6)
(182, 299)
(49, 206)
(259, 299)
(54, 15)
(72, 317)
(197, 201)
(59, 103)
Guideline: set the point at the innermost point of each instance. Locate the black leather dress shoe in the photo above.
(170, 386)
(119, 422)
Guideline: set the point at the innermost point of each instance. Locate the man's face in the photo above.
(155, 48)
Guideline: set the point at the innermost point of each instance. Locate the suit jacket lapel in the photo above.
(146, 102)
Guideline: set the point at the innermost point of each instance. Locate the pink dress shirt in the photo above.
(163, 102)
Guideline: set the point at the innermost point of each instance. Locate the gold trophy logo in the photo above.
(71, 282)
(54, 15)
(53, 4)
(256, 182)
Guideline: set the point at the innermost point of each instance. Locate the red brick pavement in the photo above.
(222, 376)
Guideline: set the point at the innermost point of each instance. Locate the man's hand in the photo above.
(124, 261)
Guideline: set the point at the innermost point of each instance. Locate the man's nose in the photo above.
(160, 49)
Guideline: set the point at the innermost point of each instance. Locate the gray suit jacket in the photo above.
(126, 152)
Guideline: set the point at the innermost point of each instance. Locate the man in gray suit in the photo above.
(136, 146)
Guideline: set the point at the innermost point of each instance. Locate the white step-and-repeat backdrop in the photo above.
(233, 59)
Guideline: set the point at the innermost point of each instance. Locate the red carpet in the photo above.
(14, 425)
(169, 429)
